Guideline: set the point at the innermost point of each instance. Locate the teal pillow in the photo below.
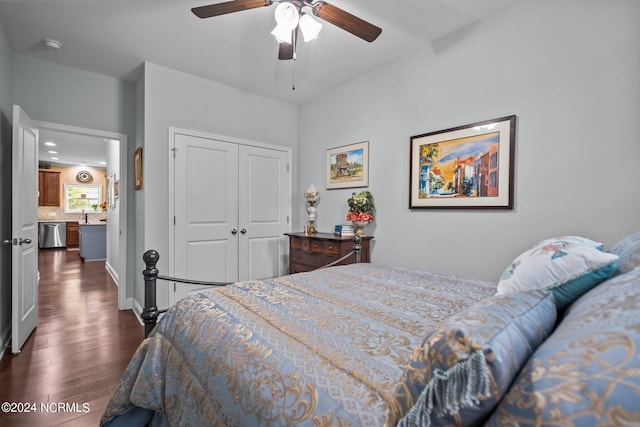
(465, 364)
(567, 266)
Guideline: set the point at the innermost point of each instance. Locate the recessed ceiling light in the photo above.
(50, 144)
(103, 163)
(52, 152)
(55, 158)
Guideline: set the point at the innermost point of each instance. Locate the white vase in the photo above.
(359, 225)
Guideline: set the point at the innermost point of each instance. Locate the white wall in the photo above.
(567, 68)
(173, 98)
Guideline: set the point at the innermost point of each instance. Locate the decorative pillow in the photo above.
(587, 373)
(465, 364)
(577, 240)
(628, 249)
(568, 267)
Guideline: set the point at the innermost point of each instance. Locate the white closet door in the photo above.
(264, 203)
(206, 211)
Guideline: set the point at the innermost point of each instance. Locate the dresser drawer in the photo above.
(325, 247)
(300, 243)
(311, 259)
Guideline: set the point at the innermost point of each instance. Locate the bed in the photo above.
(367, 345)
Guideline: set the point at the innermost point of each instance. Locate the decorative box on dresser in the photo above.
(310, 251)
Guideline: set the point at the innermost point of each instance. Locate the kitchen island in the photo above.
(93, 241)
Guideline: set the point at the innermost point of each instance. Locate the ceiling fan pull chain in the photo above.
(293, 72)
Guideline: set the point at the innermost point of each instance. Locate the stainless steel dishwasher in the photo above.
(53, 234)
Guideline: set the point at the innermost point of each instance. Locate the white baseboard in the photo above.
(112, 272)
(137, 309)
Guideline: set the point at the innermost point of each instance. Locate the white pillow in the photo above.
(568, 265)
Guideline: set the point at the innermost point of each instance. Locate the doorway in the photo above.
(116, 167)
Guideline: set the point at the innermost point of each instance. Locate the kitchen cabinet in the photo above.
(73, 234)
(48, 188)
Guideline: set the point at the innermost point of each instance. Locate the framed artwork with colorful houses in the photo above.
(465, 167)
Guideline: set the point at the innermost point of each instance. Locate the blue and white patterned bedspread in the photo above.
(320, 348)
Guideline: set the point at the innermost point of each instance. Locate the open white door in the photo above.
(24, 239)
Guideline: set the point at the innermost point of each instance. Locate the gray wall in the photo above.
(568, 69)
(176, 99)
(5, 188)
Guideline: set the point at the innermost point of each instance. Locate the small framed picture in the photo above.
(348, 166)
(137, 168)
(111, 195)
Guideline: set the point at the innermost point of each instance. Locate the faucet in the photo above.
(86, 217)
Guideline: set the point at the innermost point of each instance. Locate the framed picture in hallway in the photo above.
(466, 167)
(137, 168)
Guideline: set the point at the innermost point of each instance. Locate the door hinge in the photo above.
(288, 167)
(287, 219)
(174, 220)
(174, 152)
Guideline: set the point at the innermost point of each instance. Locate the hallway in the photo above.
(77, 353)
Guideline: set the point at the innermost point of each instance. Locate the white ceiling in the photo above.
(114, 37)
(72, 148)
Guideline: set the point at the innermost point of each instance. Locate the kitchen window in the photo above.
(79, 198)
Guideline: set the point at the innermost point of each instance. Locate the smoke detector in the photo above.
(52, 44)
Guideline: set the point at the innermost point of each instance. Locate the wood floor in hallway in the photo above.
(78, 351)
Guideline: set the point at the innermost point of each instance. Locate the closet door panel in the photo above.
(263, 212)
(206, 211)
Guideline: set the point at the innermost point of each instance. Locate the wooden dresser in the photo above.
(308, 252)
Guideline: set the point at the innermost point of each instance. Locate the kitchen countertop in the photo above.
(72, 220)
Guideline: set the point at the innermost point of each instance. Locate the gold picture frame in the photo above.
(137, 168)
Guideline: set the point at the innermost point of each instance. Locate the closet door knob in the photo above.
(243, 231)
(234, 231)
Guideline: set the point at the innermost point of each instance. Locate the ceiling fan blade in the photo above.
(346, 21)
(228, 7)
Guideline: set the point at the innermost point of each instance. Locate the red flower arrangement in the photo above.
(361, 207)
(359, 217)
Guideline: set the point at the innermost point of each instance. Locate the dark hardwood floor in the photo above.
(79, 350)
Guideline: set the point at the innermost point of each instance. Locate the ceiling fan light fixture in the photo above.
(287, 15)
(310, 27)
(283, 34)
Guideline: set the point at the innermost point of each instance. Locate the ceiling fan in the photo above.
(290, 17)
